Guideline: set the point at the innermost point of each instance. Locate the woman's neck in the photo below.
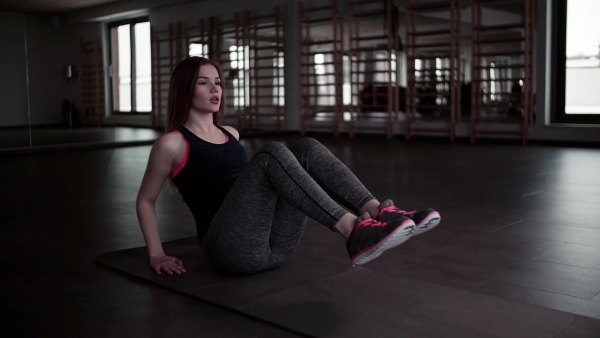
(200, 123)
(205, 129)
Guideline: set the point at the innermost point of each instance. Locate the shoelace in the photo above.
(394, 210)
(369, 222)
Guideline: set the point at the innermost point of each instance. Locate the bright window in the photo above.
(239, 58)
(278, 84)
(325, 79)
(583, 57)
(198, 49)
(131, 67)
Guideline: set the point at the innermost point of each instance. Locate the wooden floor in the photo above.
(518, 224)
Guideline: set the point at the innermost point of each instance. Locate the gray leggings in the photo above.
(262, 219)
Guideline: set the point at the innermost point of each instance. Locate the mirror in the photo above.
(15, 118)
(54, 84)
(42, 95)
(66, 83)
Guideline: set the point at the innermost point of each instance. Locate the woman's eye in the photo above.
(201, 83)
(218, 84)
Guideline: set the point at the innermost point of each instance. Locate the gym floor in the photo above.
(519, 223)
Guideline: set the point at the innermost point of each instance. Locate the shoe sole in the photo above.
(427, 223)
(400, 235)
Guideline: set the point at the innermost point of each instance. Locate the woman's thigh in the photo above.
(255, 228)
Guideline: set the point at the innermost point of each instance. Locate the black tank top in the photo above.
(206, 174)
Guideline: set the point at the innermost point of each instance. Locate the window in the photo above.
(347, 83)
(131, 67)
(278, 84)
(493, 84)
(325, 79)
(579, 56)
(198, 49)
(239, 58)
(385, 67)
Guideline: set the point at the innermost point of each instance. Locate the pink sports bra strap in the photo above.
(185, 157)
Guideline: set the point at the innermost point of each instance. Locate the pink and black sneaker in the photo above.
(370, 237)
(425, 220)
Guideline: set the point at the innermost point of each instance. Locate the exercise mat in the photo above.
(326, 298)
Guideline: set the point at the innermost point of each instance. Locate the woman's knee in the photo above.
(274, 151)
(272, 147)
(305, 145)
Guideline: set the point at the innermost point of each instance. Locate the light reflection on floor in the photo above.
(21, 138)
(136, 134)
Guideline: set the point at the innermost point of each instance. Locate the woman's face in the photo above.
(207, 93)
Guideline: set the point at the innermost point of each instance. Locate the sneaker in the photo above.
(425, 220)
(370, 237)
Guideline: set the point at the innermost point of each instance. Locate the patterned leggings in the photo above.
(262, 219)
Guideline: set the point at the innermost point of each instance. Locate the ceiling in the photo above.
(64, 6)
(49, 6)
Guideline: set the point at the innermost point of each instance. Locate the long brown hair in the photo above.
(181, 91)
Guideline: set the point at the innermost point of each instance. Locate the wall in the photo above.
(190, 13)
(46, 46)
(13, 96)
(32, 68)
(48, 87)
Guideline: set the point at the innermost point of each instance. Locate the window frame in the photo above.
(131, 22)
(559, 16)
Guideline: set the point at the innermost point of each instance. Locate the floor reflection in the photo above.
(51, 136)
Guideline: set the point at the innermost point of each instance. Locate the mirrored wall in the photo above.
(54, 87)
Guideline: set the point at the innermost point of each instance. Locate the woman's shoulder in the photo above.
(171, 143)
(232, 131)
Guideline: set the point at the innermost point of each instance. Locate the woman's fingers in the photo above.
(178, 268)
(169, 265)
(172, 267)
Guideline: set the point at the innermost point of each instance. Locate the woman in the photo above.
(250, 215)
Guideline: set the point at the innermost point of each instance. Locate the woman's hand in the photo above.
(167, 264)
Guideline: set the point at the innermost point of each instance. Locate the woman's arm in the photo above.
(167, 151)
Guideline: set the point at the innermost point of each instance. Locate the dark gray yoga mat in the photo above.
(327, 298)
